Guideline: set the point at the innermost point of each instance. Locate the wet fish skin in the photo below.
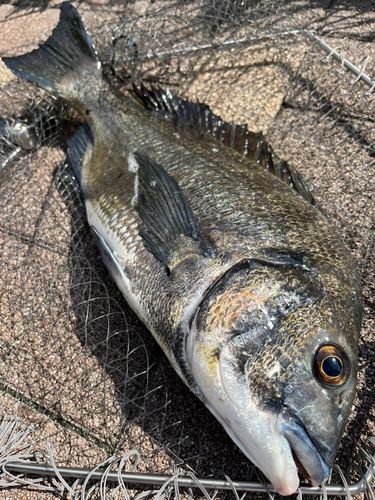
(243, 293)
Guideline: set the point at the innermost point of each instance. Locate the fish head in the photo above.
(277, 368)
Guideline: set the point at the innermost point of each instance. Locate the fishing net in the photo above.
(82, 382)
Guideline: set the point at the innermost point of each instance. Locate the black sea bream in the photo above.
(219, 248)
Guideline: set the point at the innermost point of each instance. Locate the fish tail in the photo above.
(65, 57)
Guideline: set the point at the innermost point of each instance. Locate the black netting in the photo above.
(75, 361)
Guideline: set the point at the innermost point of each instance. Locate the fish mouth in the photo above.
(306, 456)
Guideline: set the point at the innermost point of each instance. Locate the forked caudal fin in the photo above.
(67, 50)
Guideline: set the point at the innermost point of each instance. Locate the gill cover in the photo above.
(242, 352)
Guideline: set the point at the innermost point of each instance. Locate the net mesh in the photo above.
(75, 361)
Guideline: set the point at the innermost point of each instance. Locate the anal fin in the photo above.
(80, 147)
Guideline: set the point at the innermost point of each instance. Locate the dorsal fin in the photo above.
(238, 137)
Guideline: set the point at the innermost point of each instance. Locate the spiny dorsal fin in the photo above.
(169, 230)
(266, 157)
(238, 137)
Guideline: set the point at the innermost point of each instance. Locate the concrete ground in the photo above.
(74, 359)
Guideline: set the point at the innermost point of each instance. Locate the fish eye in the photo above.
(331, 366)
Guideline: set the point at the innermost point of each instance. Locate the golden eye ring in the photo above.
(331, 366)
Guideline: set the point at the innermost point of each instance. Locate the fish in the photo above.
(223, 253)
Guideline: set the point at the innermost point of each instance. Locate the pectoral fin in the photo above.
(169, 230)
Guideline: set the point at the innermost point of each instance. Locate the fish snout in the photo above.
(305, 453)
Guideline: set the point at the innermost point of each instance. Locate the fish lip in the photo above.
(294, 431)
